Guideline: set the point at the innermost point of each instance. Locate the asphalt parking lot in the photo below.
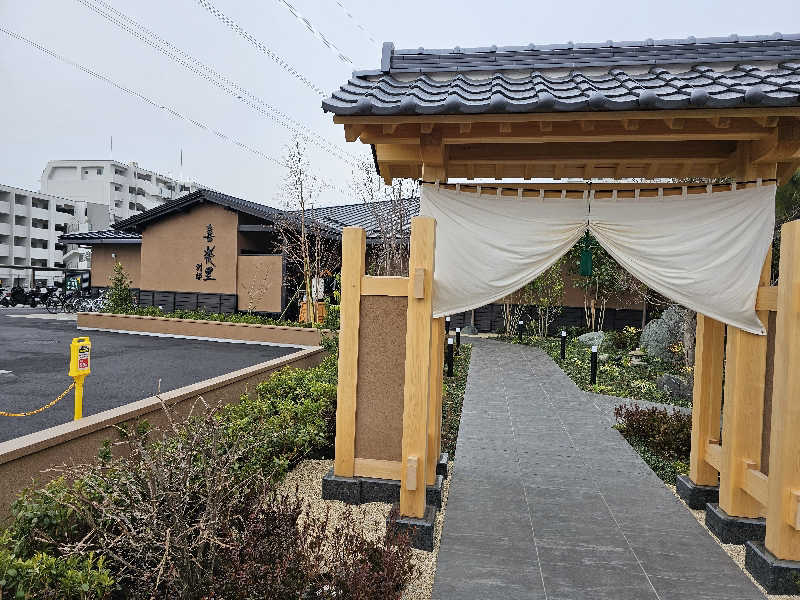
(125, 368)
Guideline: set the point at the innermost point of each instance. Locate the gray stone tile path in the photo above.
(547, 501)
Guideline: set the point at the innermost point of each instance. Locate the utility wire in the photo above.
(359, 25)
(208, 73)
(316, 32)
(158, 105)
(236, 28)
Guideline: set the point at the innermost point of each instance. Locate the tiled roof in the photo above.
(105, 236)
(364, 215)
(661, 74)
(178, 204)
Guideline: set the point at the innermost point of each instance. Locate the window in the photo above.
(100, 171)
(119, 172)
(184, 188)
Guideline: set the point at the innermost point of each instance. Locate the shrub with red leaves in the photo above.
(284, 553)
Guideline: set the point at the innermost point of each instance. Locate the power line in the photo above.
(316, 32)
(157, 105)
(236, 28)
(208, 73)
(359, 25)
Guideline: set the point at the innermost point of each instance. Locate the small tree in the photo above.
(120, 296)
(608, 280)
(302, 237)
(547, 295)
(390, 209)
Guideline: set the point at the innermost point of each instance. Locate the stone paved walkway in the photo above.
(547, 501)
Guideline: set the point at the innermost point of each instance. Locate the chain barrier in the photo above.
(38, 410)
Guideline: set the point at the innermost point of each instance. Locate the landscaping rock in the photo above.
(677, 387)
(593, 338)
(661, 334)
(7, 376)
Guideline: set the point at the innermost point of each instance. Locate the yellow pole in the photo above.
(78, 397)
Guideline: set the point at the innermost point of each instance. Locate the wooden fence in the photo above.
(746, 432)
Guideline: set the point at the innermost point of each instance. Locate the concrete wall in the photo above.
(78, 442)
(291, 336)
(172, 247)
(103, 263)
(260, 283)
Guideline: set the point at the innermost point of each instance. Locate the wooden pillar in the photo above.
(707, 397)
(435, 401)
(742, 420)
(783, 528)
(353, 266)
(418, 361)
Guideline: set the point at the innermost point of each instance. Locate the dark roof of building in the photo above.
(137, 222)
(331, 219)
(364, 215)
(105, 236)
(760, 71)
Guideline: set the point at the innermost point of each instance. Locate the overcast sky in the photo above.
(50, 110)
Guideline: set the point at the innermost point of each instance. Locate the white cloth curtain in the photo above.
(704, 251)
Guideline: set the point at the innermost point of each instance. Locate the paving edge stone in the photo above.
(696, 496)
(361, 490)
(441, 466)
(733, 530)
(421, 530)
(776, 575)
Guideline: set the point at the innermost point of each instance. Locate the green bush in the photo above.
(45, 577)
(120, 296)
(616, 376)
(204, 315)
(453, 400)
(663, 439)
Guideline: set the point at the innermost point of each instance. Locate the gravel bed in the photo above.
(735, 551)
(307, 479)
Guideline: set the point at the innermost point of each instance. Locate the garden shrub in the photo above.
(204, 315)
(45, 577)
(662, 438)
(453, 400)
(119, 296)
(285, 552)
(661, 336)
(623, 340)
(616, 376)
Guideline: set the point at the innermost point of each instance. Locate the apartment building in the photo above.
(108, 191)
(30, 224)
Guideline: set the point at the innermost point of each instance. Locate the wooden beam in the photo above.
(707, 397)
(382, 469)
(389, 128)
(755, 483)
(464, 128)
(352, 132)
(505, 128)
(354, 241)
(782, 538)
(417, 369)
(579, 153)
(766, 120)
(767, 298)
(675, 123)
(587, 125)
(714, 455)
(384, 286)
(743, 411)
(720, 122)
(782, 146)
(426, 128)
(435, 399)
(630, 124)
(545, 126)
(706, 113)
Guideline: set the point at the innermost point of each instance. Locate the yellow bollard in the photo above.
(79, 368)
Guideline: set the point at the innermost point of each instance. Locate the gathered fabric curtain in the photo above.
(703, 251)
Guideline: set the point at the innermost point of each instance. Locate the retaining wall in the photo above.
(200, 329)
(25, 458)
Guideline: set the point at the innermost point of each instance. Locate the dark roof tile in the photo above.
(406, 86)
